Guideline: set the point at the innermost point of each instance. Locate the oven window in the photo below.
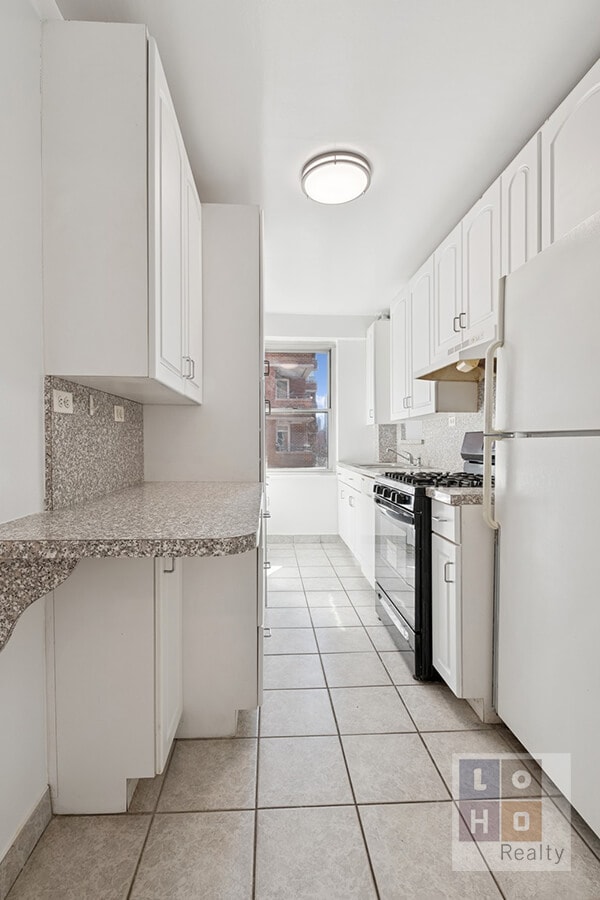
(395, 563)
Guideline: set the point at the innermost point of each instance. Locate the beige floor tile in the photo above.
(435, 708)
(284, 584)
(290, 640)
(368, 616)
(577, 877)
(302, 771)
(288, 617)
(358, 583)
(362, 597)
(247, 723)
(335, 617)
(411, 851)
(277, 599)
(277, 559)
(349, 571)
(197, 855)
(391, 768)
(343, 640)
(381, 637)
(83, 858)
(399, 666)
(370, 710)
(294, 671)
(317, 571)
(298, 712)
(581, 827)
(354, 669)
(210, 774)
(442, 745)
(311, 854)
(146, 794)
(278, 570)
(333, 599)
(280, 548)
(321, 584)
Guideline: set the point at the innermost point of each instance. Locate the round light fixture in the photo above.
(336, 177)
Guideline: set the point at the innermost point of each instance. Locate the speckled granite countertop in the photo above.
(151, 519)
(457, 496)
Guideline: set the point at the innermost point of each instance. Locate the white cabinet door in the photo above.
(399, 350)
(447, 295)
(168, 600)
(166, 172)
(521, 207)
(570, 170)
(481, 267)
(370, 376)
(421, 307)
(365, 530)
(192, 287)
(446, 618)
(343, 513)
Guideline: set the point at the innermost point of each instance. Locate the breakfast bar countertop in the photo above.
(150, 519)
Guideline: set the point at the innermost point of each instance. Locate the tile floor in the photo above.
(341, 789)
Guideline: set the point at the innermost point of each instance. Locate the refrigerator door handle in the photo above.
(489, 433)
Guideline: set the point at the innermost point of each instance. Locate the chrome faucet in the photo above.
(411, 460)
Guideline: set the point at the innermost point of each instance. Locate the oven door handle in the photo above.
(394, 516)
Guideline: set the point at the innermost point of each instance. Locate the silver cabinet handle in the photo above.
(454, 321)
(186, 360)
(460, 320)
(446, 579)
(266, 632)
(404, 403)
(351, 501)
(489, 432)
(172, 569)
(193, 364)
(439, 519)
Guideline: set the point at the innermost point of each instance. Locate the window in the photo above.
(299, 392)
(282, 388)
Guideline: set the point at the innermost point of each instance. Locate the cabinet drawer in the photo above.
(352, 479)
(445, 520)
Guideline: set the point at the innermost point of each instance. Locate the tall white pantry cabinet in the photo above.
(121, 218)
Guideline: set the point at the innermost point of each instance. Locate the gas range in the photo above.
(401, 488)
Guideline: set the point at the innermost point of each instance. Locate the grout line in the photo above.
(152, 817)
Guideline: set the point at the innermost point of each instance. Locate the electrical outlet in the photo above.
(62, 402)
(119, 413)
(451, 421)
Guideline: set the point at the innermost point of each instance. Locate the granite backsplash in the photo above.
(90, 455)
(439, 444)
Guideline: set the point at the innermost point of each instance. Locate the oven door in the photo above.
(395, 558)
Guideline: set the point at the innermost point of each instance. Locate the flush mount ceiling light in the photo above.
(336, 177)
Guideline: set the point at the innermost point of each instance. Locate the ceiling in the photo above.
(438, 94)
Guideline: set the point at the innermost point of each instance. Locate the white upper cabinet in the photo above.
(521, 220)
(570, 153)
(481, 268)
(421, 307)
(378, 372)
(121, 218)
(447, 302)
(400, 365)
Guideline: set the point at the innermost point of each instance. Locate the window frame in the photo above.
(289, 346)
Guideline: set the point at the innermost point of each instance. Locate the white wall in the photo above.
(23, 776)
(306, 502)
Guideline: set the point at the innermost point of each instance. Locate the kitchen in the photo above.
(210, 449)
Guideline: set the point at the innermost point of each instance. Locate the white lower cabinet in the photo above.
(139, 650)
(462, 555)
(356, 519)
(445, 572)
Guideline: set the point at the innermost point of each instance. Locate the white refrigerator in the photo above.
(547, 505)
